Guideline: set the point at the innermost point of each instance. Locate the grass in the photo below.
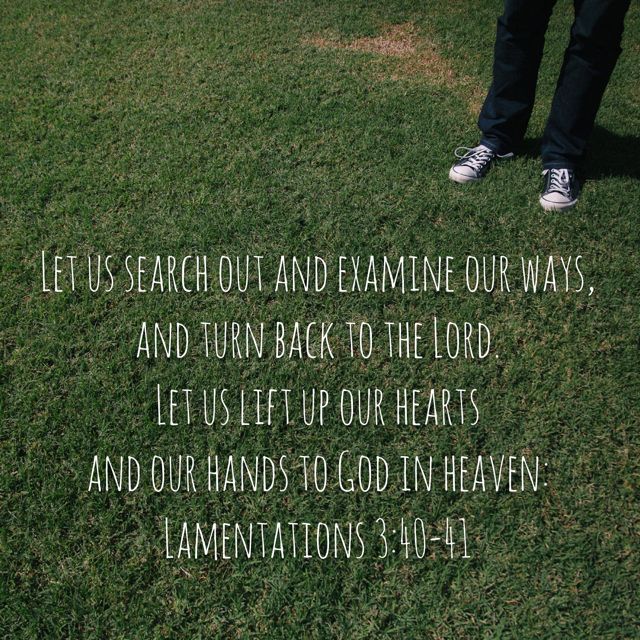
(221, 127)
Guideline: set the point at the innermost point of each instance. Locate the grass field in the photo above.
(305, 128)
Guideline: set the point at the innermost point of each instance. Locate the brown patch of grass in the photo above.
(397, 41)
(413, 57)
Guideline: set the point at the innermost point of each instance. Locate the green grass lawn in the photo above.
(291, 128)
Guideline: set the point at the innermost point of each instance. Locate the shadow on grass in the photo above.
(609, 154)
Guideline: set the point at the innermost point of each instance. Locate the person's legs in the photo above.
(506, 111)
(518, 51)
(588, 63)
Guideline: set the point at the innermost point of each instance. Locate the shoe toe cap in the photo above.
(463, 171)
(555, 197)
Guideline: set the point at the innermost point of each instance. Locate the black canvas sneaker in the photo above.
(561, 189)
(473, 163)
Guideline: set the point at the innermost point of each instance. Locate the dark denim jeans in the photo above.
(589, 60)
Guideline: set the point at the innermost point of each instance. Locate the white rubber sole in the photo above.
(557, 206)
(461, 179)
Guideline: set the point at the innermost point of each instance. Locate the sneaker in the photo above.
(561, 189)
(474, 163)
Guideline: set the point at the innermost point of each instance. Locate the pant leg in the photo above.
(589, 60)
(518, 50)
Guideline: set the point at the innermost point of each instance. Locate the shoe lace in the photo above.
(474, 157)
(560, 180)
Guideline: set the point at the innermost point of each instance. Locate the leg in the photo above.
(518, 51)
(589, 60)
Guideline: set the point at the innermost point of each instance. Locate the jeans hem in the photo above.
(496, 147)
(559, 164)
